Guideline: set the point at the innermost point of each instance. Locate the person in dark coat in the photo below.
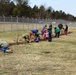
(50, 33)
(66, 29)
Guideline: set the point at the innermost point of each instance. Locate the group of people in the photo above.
(46, 34)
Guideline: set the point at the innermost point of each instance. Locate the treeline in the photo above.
(22, 8)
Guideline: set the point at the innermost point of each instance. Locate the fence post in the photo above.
(11, 22)
(28, 23)
(4, 18)
(4, 22)
(32, 22)
(36, 23)
(23, 23)
(17, 30)
(17, 23)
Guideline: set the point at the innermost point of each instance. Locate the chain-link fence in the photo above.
(22, 23)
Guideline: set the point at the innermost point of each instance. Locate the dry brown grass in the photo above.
(44, 58)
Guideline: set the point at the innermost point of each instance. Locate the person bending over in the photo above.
(33, 34)
(57, 32)
(4, 46)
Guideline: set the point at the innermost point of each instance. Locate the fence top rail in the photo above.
(9, 19)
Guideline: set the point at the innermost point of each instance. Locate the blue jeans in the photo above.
(4, 49)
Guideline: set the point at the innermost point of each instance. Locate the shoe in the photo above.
(9, 51)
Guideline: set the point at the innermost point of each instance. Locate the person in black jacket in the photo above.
(50, 33)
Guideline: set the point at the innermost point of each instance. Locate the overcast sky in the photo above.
(68, 6)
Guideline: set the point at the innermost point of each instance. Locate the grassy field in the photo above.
(44, 58)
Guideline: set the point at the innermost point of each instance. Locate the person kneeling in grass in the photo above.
(46, 35)
(57, 32)
(32, 34)
(37, 38)
(4, 46)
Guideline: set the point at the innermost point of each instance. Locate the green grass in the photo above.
(44, 58)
